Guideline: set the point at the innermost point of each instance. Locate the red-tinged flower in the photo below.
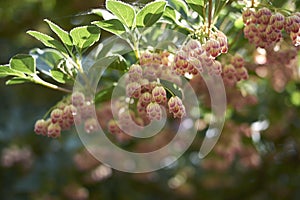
(242, 74)
(237, 61)
(145, 99)
(41, 127)
(91, 125)
(154, 111)
(295, 38)
(77, 99)
(247, 16)
(69, 112)
(263, 15)
(87, 110)
(176, 107)
(133, 90)
(145, 85)
(277, 21)
(113, 127)
(146, 58)
(159, 94)
(180, 63)
(151, 72)
(56, 115)
(135, 73)
(212, 47)
(54, 130)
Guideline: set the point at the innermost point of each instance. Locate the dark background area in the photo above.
(42, 168)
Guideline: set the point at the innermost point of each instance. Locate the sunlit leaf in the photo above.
(180, 6)
(197, 6)
(113, 26)
(85, 36)
(150, 14)
(47, 40)
(58, 76)
(170, 13)
(123, 11)
(196, 2)
(46, 59)
(62, 34)
(5, 70)
(23, 63)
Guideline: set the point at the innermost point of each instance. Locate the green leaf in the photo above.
(103, 95)
(85, 36)
(123, 11)
(47, 40)
(197, 6)
(46, 59)
(23, 63)
(58, 76)
(180, 6)
(150, 14)
(62, 34)
(17, 80)
(170, 13)
(195, 2)
(114, 26)
(5, 70)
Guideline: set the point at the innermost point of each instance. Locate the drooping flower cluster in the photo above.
(64, 115)
(264, 28)
(195, 57)
(234, 71)
(147, 94)
(292, 26)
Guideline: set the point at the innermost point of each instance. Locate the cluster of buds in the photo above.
(234, 71)
(143, 87)
(64, 115)
(292, 26)
(264, 28)
(195, 57)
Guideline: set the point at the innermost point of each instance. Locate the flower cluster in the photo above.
(264, 28)
(235, 71)
(64, 115)
(14, 155)
(148, 96)
(292, 26)
(195, 57)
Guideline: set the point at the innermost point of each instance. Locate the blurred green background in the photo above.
(34, 167)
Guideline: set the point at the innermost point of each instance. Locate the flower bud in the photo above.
(77, 99)
(54, 130)
(135, 73)
(145, 99)
(91, 125)
(154, 111)
(41, 127)
(56, 115)
(237, 61)
(133, 90)
(159, 94)
(176, 107)
(146, 58)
